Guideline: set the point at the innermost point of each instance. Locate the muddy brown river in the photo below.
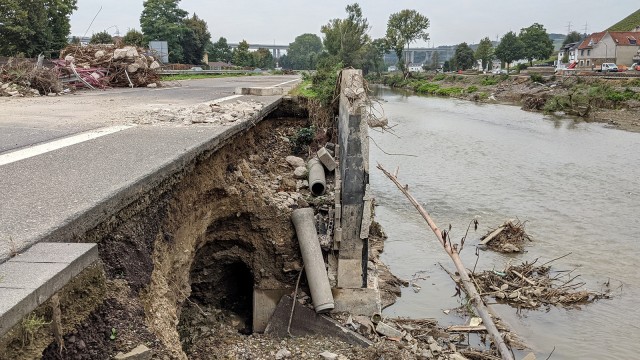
(576, 184)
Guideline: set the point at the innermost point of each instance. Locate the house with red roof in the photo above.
(608, 46)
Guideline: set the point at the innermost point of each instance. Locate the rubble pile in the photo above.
(510, 237)
(21, 77)
(101, 66)
(210, 112)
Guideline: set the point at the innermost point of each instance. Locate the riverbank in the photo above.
(615, 102)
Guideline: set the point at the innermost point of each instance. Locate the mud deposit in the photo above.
(197, 246)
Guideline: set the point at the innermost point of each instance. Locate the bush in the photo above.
(537, 78)
(325, 78)
(490, 80)
(439, 77)
(471, 89)
(449, 91)
(521, 67)
(428, 88)
(302, 139)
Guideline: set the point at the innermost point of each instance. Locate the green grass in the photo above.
(304, 89)
(199, 76)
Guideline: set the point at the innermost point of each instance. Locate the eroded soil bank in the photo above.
(180, 264)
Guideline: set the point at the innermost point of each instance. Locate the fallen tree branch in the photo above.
(452, 251)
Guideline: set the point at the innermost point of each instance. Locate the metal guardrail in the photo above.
(180, 72)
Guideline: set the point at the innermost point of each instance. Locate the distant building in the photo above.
(608, 46)
(415, 68)
(392, 68)
(570, 52)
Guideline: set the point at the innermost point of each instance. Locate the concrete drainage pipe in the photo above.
(314, 267)
(317, 180)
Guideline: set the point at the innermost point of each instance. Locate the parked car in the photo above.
(635, 66)
(622, 68)
(607, 67)
(196, 68)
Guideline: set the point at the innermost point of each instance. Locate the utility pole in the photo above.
(569, 28)
(586, 27)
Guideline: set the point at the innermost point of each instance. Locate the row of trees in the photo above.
(32, 27)
(531, 43)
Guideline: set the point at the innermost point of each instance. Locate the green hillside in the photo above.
(628, 23)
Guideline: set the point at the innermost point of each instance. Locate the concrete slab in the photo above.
(362, 301)
(306, 322)
(32, 278)
(265, 302)
(58, 253)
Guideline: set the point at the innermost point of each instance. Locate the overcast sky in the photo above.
(452, 22)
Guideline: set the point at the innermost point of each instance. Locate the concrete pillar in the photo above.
(354, 172)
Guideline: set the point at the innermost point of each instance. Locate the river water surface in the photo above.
(576, 184)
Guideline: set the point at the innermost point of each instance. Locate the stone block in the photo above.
(349, 272)
(388, 331)
(363, 301)
(326, 159)
(141, 352)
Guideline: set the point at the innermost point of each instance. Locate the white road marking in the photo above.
(286, 82)
(226, 98)
(58, 144)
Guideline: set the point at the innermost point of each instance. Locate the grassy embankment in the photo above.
(574, 95)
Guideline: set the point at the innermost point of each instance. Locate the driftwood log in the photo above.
(452, 251)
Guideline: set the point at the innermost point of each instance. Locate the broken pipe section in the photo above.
(304, 222)
(317, 180)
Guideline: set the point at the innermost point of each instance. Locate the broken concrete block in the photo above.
(69, 59)
(119, 54)
(326, 159)
(132, 68)
(141, 352)
(388, 331)
(295, 161)
(152, 85)
(154, 65)
(306, 322)
(328, 355)
(99, 54)
(283, 354)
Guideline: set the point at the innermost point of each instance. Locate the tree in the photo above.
(403, 28)
(303, 52)
(163, 20)
(509, 49)
(75, 40)
(195, 40)
(241, 55)
(537, 44)
(446, 66)
(464, 56)
(101, 37)
(572, 37)
(374, 56)
(263, 59)
(134, 37)
(346, 39)
(435, 60)
(220, 51)
(32, 27)
(484, 52)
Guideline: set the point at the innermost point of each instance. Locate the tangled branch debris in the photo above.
(532, 286)
(508, 238)
(102, 66)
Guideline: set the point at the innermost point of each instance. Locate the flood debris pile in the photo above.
(101, 66)
(21, 77)
(208, 112)
(533, 286)
(510, 237)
